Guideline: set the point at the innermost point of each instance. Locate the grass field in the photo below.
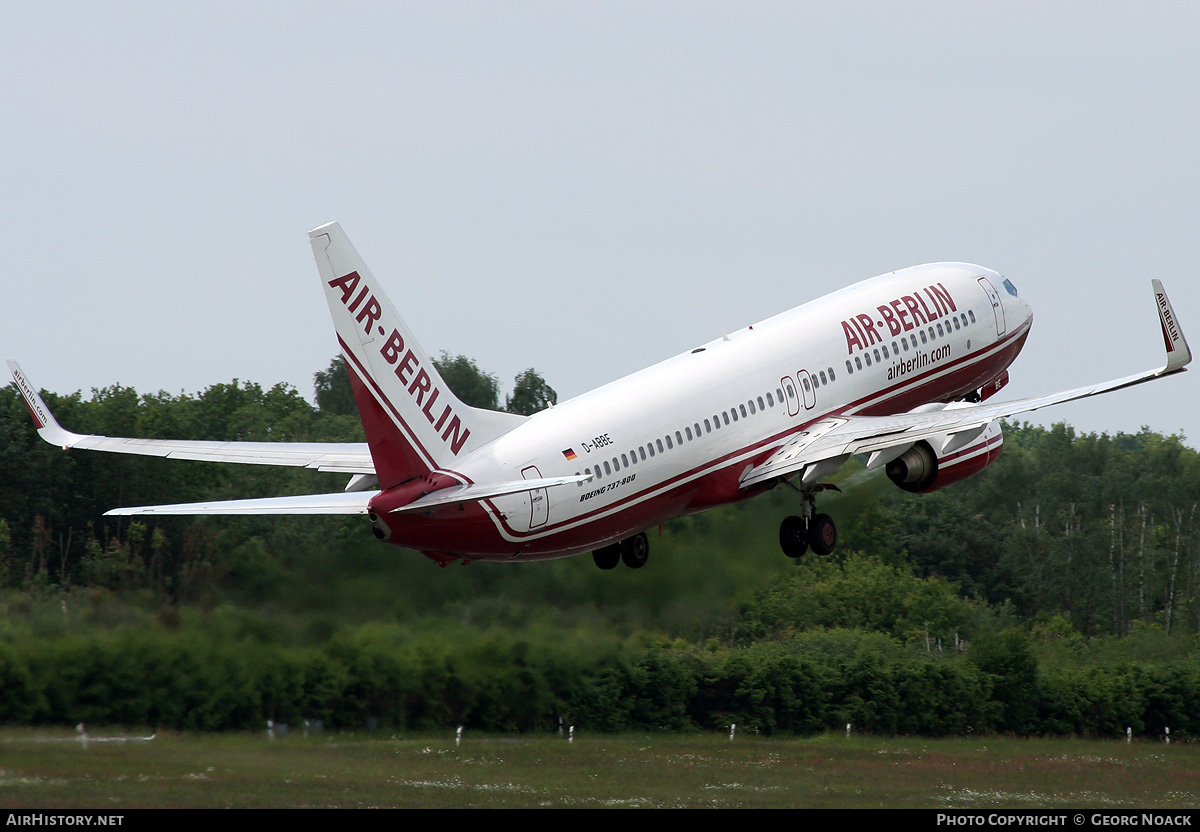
(48, 769)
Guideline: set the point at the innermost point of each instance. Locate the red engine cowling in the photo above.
(921, 469)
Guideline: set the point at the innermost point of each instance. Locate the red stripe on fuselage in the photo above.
(674, 496)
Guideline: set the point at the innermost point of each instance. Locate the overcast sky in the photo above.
(588, 188)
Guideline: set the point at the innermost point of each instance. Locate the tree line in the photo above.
(1056, 592)
(445, 673)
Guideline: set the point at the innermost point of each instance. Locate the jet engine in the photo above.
(932, 464)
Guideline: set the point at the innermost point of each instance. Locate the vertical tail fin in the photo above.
(414, 423)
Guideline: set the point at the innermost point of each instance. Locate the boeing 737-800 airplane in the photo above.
(900, 367)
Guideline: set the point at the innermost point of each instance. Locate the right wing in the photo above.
(823, 446)
(336, 457)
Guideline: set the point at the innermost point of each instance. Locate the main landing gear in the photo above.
(816, 531)
(635, 551)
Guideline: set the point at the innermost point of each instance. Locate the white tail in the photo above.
(414, 423)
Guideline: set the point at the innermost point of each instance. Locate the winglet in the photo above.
(47, 427)
(1178, 354)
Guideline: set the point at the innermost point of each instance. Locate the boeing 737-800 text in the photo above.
(900, 367)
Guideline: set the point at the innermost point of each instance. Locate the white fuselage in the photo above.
(675, 438)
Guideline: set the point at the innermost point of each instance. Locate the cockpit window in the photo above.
(1009, 287)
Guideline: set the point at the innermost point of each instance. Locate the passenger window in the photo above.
(885, 352)
(858, 362)
(734, 412)
(770, 401)
(807, 386)
(650, 446)
(752, 407)
(742, 408)
(905, 343)
(669, 445)
(867, 356)
(877, 358)
(849, 366)
(895, 348)
(642, 452)
(625, 460)
(678, 438)
(971, 312)
(941, 334)
(832, 377)
(697, 427)
(707, 426)
(725, 415)
(607, 470)
(658, 442)
(924, 340)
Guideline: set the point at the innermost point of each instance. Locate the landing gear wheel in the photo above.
(608, 557)
(793, 536)
(822, 534)
(635, 551)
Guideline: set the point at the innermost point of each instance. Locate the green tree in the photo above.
(530, 394)
(469, 383)
(334, 393)
(1007, 658)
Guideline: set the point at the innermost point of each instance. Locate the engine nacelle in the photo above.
(921, 468)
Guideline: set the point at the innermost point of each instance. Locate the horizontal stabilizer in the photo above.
(477, 491)
(341, 502)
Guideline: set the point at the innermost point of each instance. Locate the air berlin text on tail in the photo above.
(407, 366)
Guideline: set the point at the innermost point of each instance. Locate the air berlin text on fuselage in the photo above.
(408, 369)
(905, 313)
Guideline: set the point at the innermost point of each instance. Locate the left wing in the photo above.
(345, 458)
(337, 457)
(826, 444)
